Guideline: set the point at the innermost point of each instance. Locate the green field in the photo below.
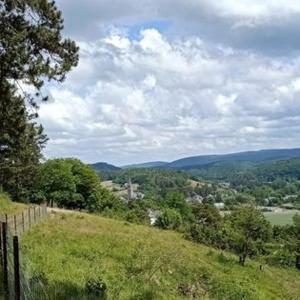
(139, 262)
(281, 218)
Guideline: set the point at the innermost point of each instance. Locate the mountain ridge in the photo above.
(202, 160)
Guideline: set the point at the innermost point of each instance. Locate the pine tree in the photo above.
(31, 51)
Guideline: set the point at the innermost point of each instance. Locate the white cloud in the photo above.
(160, 97)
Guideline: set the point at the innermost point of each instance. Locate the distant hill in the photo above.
(249, 156)
(152, 164)
(104, 167)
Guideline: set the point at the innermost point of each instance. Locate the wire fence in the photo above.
(19, 280)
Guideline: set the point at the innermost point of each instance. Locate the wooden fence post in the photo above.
(1, 262)
(16, 268)
(4, 261)
(15, 224)
(23, 221)
(29, 217)
(34, 217)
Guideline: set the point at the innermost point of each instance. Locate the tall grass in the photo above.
(79, 256)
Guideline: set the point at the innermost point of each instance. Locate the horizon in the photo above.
(173, 81)
(189, 156)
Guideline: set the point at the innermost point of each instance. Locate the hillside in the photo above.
(151, 164)
(195, 162)
(138, 262)
(104, 167)
(249, 156)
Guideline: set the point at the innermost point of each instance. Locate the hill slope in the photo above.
(138, 262)
(250, 156)
(104, 167)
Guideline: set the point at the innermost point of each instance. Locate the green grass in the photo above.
(9, 207)
(281, 218)
(139, 262)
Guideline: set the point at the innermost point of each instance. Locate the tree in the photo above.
(169, 219)
(67, 182)
(206, 214)
(31, 51)
(21, 142)
(249, 229)
(102, 199)
(177, 201)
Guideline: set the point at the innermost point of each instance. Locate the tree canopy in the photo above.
(32, 50)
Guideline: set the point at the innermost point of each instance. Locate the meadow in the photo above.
(75, 255)
(281, 218)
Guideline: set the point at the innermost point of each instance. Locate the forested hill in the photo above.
(243, 172)
(195, 162)
(104, 167)
(250, 156)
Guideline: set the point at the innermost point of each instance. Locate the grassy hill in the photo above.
(7, 206)
(69, 251)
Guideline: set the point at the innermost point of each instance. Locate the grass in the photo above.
(67, 251)
(281, 218)
(9, 207)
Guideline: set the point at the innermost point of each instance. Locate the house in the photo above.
(153, 215)
(219, 205)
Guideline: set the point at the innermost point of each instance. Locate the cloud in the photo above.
(158, 96)
(269, 26)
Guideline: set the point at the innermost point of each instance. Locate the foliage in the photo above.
(32, 50)
(72, 184)
(96, 287)
(249, 229)
(101, 199)
(169, 219)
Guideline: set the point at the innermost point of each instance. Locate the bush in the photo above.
(169, 219)
(96, 287)
(102, 199)
(281, 258)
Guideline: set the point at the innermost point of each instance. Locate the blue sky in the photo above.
(164, 79)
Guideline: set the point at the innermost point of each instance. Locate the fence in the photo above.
(18, 282)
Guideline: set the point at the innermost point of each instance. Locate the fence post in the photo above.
(34, 217)
(15, 224)
(17, 268)
(23, 221)
(6, 218)
(29, 217)
(4, 252)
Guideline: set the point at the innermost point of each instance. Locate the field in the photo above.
(69, 251)
(281, 218)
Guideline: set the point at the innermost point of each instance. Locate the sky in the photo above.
(165, 79)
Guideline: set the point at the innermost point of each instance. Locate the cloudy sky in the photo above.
(164, 79)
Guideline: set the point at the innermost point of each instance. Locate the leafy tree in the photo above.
(56, 182)
(169, 219)
(69, 183)
(177, 201)
(206, 214)
(31, 51)
(249, 229)
(102, 199)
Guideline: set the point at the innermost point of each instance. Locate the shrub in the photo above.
(169, 219)
(96, 287)
(281, 258)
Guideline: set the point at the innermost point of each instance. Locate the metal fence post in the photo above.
(16, 268)
(4, 253)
